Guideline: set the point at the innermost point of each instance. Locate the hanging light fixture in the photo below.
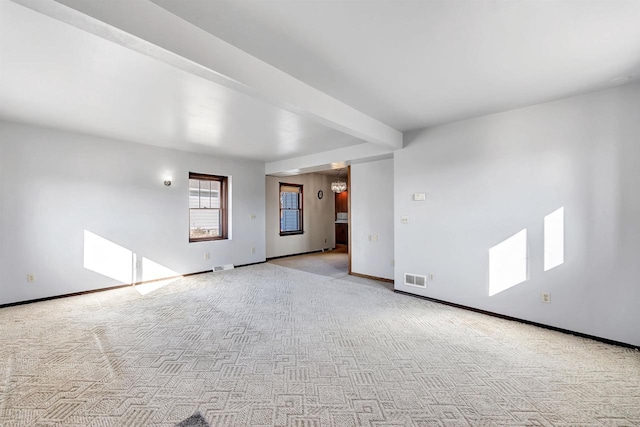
(339, 185)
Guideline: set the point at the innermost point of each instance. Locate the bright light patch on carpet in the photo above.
(508, 263)
(152, 270)
(147, 288)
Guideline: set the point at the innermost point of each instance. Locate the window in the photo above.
(207, 207)
(290, 209)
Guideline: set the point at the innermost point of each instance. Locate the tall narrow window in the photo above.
(290, 209)
(207, 207)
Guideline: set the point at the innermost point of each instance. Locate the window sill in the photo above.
(206, 239)
(290, 233)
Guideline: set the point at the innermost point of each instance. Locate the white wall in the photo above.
(318, 216)
(372, 218)
(488, 178)
(56, 185)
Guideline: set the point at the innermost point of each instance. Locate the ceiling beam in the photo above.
(332, 159)
(147, 28)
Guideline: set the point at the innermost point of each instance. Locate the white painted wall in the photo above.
(318, 216)
(372, 218)
(55, 185)
(488, 178)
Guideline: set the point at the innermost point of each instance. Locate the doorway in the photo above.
(342, 220)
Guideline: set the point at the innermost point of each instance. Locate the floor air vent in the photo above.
(223, 267)
(415, 280)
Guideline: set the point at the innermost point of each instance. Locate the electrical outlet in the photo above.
(207, 255)
(404, 219)
(431, 277)
(31, 277)
(546, 298)
(375, 237)
(253, 250)
(253, 216)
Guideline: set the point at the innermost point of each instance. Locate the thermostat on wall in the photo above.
(419, 197)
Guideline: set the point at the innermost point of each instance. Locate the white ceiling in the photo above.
(56, 75)
(412, 64)
(399, 64)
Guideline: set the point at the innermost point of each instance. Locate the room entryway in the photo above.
(334, 264)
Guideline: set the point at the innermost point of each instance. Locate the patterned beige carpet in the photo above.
(273, 346)
(333, 263)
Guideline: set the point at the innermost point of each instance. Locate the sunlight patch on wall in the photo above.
(108, 258)
(508, 263)
(554, 239)
(124, 266)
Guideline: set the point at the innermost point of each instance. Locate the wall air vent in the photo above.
(415, 280)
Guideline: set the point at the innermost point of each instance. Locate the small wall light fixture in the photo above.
(167, 181)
